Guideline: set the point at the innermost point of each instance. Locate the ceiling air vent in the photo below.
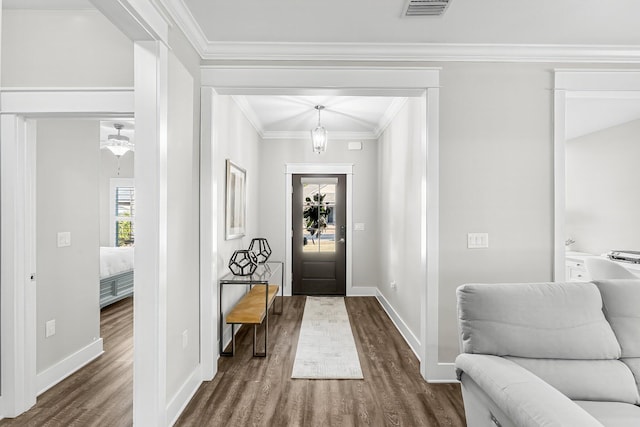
(425, 7)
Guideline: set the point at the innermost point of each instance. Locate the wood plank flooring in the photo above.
(251, 391)
(101, 393)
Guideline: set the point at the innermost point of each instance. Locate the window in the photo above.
(319, 205)
(122, 212)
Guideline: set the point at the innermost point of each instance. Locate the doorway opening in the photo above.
(319, 234)
(421, 83)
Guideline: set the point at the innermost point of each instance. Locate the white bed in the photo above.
(116, 274)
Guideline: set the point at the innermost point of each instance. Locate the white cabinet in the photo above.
(575, 271)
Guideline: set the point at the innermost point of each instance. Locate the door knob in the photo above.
(341, 240)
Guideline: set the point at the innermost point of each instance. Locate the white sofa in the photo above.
(550, 354)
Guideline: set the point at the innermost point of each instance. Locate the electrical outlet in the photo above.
(50, 328)
(185, 338)
(393, 284)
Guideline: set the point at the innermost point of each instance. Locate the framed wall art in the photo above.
(236, 201)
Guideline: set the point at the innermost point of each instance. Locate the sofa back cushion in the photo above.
(535, 320)
(621, 306)
(603, 380)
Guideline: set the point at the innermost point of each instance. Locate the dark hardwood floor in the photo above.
(251, 391)
(101, 393)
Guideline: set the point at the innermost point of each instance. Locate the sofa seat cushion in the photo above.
(621, 306)
(523, 398)
(535, 320)
(603, 380)
(612, 414)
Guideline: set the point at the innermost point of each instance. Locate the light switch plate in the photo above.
(50, 328)
(64, 239)
(477, 240)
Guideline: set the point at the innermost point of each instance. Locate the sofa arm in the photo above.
(526, 399)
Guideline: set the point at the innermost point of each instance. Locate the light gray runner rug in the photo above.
(326, 349)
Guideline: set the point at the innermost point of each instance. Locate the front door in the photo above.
(319, 234)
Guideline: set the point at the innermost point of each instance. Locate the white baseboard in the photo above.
(441, 373)
(182, 398)
(401, 326)
(362, 291)
(61, 370)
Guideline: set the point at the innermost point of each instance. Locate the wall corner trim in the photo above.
(67, 366)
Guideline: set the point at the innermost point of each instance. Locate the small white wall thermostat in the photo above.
(355, 145)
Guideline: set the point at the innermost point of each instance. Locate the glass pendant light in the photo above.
(319, 134)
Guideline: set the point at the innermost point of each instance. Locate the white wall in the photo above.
(274, 154)
(67, 156)
(238, 141)
(63, 48)
(602, 198)
(108, 170)
(496, 176)
(183, 233)
(399, 201)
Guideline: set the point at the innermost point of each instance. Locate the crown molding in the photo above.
(183, 17)
(138, 20)
(469, 52)
(388, 116)
(307, 135)
(421, 52)
(249, 114)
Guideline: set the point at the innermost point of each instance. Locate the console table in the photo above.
(253, 307)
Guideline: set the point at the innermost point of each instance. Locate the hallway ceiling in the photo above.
(344, 117)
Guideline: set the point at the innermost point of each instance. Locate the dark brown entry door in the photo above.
(319, 234)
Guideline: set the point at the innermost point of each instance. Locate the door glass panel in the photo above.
(318, 213)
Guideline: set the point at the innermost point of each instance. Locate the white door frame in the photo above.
(18, 108)
(584, 84)
(325, 169)
(420, 82)
(208, 238)
(148, 28)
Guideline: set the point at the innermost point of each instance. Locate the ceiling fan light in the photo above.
(118, 150)
(118, 144)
